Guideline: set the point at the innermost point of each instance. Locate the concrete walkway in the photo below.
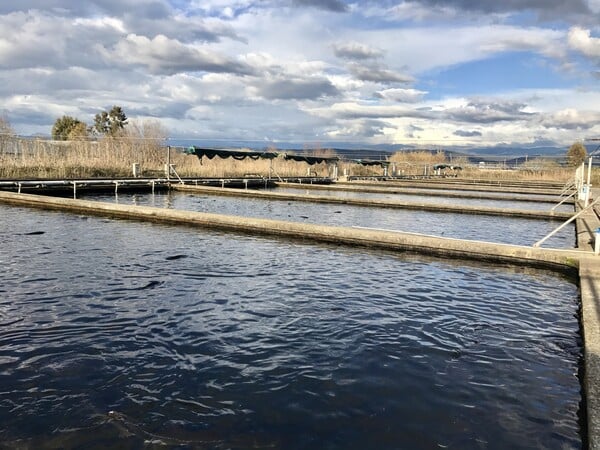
(371, 203)
(555, 259)
(423, 191)
(589, 279)
(428, 184)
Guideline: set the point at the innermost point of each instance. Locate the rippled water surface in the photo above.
(507, 230)
(132, 335)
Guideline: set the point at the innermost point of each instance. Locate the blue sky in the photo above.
(424, 73)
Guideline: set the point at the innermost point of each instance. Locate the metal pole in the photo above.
(538, 243)
(168, 162)
(588, 186)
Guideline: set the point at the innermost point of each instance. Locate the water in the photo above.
(543, 203)
(505, 230)
(132, 335)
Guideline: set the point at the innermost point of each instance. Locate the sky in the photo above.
(424, 73)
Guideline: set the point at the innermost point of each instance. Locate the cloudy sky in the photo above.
(418, 72)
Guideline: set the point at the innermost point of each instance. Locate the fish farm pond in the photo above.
(117, 333)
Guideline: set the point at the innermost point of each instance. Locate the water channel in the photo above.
(505, 230)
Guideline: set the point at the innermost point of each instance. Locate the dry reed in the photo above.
(145, 145)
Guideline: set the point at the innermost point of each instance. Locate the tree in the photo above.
(110, 123)
(79, 132)
(576, 154)
(66, 127)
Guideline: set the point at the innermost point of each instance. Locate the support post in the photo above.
(589, 180)
(168, 162)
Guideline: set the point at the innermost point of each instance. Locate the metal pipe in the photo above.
(563, 200)
(556, 230)
(168, 162)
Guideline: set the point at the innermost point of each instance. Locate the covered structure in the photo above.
(331, 161)
(311, 160)
(210, 153)
(384, 164)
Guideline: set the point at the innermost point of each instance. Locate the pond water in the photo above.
(506, 230)
(542, 203)
(133, 335)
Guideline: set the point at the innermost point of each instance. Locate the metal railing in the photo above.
(556, 230)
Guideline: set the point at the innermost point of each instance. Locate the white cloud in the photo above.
(581, 40)
(355, 51)
(402, 95)
(161, 55)
(290, 69)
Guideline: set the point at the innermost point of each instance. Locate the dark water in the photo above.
(505, 230)
(543, 203)
(131, 335)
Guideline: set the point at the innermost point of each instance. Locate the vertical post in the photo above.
(597, 241)
(168, 162)
(588, 185)
(74, 189)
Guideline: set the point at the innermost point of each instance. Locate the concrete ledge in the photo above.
(589, 276)
(421, 191)
(561, 260)
(457, 186)
(370, 203)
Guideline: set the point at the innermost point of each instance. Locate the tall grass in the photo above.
(114, 158)
(414, 163)
(144, 144)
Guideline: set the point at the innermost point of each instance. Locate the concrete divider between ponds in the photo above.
(423, 192)
(388, 240)
(371, 203)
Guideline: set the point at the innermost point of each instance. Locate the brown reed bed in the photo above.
(114, 157)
